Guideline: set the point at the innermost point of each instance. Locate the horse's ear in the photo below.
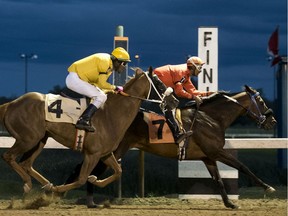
(150, 70)
(247, 88)
(138, 71)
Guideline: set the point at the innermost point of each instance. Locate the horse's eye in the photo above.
(259, 99)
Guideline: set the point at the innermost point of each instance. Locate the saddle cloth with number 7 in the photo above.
(159, 131)
(63, 109)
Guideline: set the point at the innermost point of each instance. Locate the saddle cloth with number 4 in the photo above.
(63, 109)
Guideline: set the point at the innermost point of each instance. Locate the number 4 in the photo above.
(55, 107)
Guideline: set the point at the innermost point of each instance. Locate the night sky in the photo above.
(160, 31)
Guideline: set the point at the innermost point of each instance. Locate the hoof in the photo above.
(92, 205)
(270, 190)
(92, 178)
(232, 206)
(48, 187)
(235, 207)
(26, 188)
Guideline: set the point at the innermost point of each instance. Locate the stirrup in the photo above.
(84, 125)
(87, 128)
(183, 136)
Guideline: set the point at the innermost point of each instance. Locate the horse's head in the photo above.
(138, 85)
(259, 111)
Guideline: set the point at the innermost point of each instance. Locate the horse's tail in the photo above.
(3, 109)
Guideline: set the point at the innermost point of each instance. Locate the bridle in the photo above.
(147, 99)
(259, 117)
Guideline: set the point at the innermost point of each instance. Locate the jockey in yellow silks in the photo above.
(88, 76)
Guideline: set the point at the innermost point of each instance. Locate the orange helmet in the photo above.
(196, 61)
(121, 54)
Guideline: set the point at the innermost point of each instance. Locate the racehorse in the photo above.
(24, 119)
(209, 123)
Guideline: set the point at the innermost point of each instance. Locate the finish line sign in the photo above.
(208, 52)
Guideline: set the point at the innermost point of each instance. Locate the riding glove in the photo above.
(198, 100)
(119, 89)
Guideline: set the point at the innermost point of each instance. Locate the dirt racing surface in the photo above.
(143, 207)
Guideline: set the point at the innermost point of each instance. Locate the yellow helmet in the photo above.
(121, 54)
(194, 60)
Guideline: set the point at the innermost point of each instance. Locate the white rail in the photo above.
(239, 143)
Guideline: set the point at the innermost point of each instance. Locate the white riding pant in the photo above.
(74, 83)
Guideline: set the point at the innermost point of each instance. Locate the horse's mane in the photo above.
(220, 94)
(210, 99)
(216, 96)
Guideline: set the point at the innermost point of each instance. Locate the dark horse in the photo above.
(214, 116)
(24, 119)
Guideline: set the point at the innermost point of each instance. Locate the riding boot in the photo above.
(83, 122)
(177, 134)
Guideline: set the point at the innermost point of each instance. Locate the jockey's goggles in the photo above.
(123, 63)
(198, 67)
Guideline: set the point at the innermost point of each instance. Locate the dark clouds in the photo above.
(161, 32)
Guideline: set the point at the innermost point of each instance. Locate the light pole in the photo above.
(26, 57)
(137, 57)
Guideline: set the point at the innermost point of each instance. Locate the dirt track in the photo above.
(144, 207)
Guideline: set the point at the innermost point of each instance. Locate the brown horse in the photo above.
(24, 119)
(215, 115)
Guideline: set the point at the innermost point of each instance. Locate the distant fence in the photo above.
(253, 143)
(190, 172)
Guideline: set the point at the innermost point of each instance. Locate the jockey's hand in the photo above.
(119, 89)
(168, 91)
(198, 100)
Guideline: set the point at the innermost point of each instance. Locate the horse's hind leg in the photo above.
(229, 160)
(214, 172)
(111, 162)
(10, 157)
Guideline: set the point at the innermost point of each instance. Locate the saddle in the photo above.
(65, 109)
(159, 131)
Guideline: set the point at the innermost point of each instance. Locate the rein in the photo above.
(195, 115)
(260, 117)
(146, 99)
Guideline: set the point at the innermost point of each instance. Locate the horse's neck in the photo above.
(243, 99)
(120, 111)
(237, 108)
(118, 105)
(226, 112)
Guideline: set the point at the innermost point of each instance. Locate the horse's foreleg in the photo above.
(214, 172)
(229, 160)
(110, 161)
